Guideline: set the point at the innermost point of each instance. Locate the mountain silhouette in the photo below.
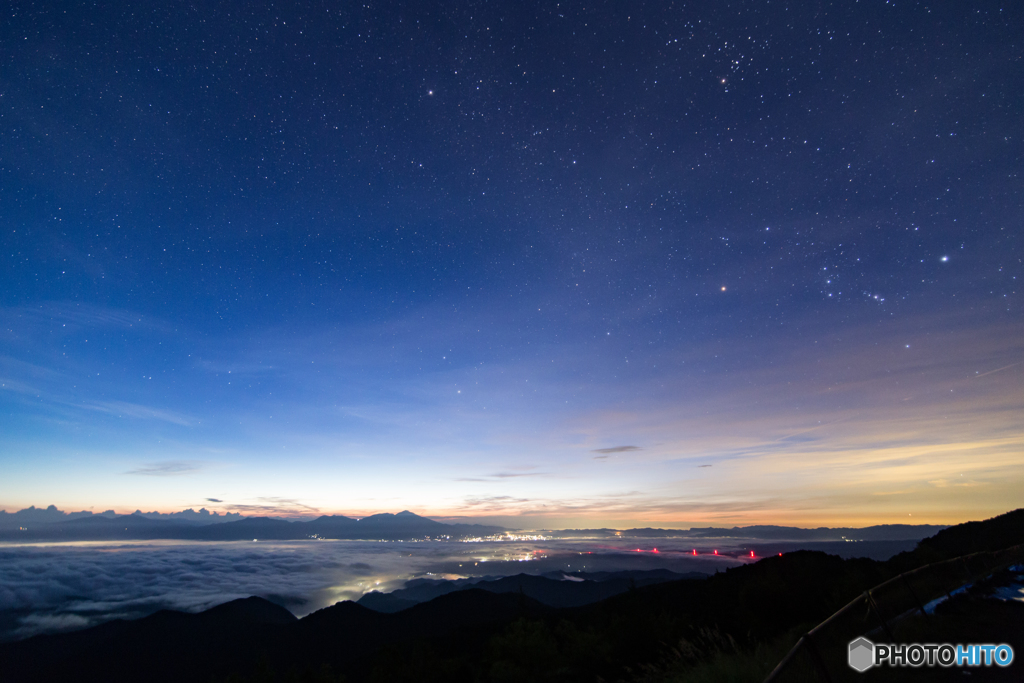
(243, 634)
(386, 526)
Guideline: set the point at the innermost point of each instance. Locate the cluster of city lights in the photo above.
(692, 552)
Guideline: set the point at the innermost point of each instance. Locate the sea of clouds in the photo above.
(51, 587)
(55, 587)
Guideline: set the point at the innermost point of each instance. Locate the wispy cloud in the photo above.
(135, 410)
(606, 452)
(8, 384)
(613, 504)
(78, 316)
(114, 408)
(271, 505)
(169, 468)
(503, 504)
(497, 476)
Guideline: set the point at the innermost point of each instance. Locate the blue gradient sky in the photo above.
(548, 266)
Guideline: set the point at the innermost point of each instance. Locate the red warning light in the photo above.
(655, 550)
(716, 552)
(694, 551)
(780, 554)
(751, 553)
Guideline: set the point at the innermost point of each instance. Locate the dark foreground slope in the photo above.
(972, 537)
(650, 633)
(251, 637)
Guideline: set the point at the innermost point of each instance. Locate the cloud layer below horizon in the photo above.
(48, 588)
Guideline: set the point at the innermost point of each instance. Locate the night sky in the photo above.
(576, 264)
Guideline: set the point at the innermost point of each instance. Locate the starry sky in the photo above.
(537, 263)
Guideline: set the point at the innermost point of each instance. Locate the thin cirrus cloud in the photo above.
(135, 410)
(271, 505)
(616, 449)
(564, 507)
(498, 476)
(170, 468)
(34, 389)
(76, 316)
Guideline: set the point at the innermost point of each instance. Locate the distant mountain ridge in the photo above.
(33, 516)
(138, 526)
(52, 524)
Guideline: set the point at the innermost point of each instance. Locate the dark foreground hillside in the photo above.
(732, 626)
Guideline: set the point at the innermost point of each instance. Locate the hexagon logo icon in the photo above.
(862, 654)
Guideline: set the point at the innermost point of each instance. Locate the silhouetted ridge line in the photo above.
(385, 526)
